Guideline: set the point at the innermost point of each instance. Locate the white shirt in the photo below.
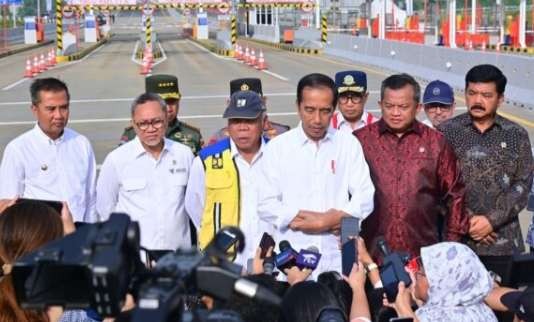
(344, 125)
(251, 225)
(150, 191)
(299, 174)
(35, 166)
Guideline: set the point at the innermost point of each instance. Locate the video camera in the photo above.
(392, 271)
(98, 264)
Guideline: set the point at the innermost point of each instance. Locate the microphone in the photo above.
(256, 291)
(287, 257)
(308, 258)
(383, 246)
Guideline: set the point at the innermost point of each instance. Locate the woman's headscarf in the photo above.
(458, 283)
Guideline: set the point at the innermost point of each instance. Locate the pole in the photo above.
(382, 20)
(473, 17)
(452, 23)
(59, 28)
(522, 23)
(317, 15)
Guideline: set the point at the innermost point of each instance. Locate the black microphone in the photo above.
(287, 257)
(383, 246)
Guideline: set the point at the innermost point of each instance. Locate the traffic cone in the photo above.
(149, 54)
(28, 73)
(49, 60)
(247, 56)
(35, 67)
(261, 62)
(237, 52)
(252, 58)
(42, 64)
(54, 60)
(144, 66)
(483, 46)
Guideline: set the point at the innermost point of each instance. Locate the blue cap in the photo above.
(244, 105)
(351, 81)
(438, 92)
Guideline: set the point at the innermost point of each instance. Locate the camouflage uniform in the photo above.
(178, 131)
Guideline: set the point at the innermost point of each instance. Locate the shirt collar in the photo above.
(467, 120)
(363, 119)
(303, 138)
(139, 149)
(234, 152)
(416, 127)
(42, 135)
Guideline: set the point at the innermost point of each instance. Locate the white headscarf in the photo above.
(458, 283)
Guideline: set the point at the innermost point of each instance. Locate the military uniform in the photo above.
(271, 129)
(166, 86)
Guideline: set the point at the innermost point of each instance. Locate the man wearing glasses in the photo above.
(146, 178)
(352, 90)
(438, 101)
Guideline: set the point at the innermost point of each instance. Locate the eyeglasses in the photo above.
(434, 108)
(344, 99)
(156, 124)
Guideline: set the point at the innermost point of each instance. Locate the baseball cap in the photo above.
(166, 86)
(438, 92)
(351, 81)
(246, 84)
(244, 105)
(521, 303)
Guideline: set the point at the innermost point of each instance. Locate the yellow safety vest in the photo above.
(222, 200)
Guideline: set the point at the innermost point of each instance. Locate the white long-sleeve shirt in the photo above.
(150, 191)
(251, 225)
(299, 174)
(35, 166)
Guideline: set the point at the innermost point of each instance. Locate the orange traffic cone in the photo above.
(237, 52)
(483, 46)
(49, 60)
(144, 66)
(28, 73)
(53, 54)
(149, 54)
(42, 63)
(261, 62)
(247, 56)
(35, 67)
(252, 58)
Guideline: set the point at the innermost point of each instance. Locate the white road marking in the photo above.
(276, 75)
(133, 54)
(130, 99)
(206, 50)
(20, 81)
(182, 117)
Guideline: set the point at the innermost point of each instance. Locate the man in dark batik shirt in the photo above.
(415, 174)
(496, 161)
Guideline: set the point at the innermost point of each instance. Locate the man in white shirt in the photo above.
(438, 101)
(313, 175)
(146, 179)
(352, 90)
(222, 179)
(51, 161)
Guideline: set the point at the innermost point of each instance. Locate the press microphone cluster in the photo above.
(288, 257)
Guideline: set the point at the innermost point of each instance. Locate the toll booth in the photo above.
(30, 30)
(90, 32)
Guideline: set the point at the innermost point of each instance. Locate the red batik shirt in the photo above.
(417, 179)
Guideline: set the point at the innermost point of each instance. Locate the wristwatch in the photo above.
(371, 267)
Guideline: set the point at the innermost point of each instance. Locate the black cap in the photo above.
(244, 105)
(166, 86)
(520, 303)
(246, 84)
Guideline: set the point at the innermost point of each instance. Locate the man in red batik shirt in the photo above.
(415, 174)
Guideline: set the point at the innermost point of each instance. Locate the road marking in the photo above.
(182, 117)
(206, 50)
(134, 52)
(163, 53)
(20, 81)
(275, 75)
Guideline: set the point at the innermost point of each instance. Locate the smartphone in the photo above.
(266, 242)
(57, 205)
(350, 228)
(349, 256)
(390, 281)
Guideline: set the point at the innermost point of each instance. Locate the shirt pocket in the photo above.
(133, 185)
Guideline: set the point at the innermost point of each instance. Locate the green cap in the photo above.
(166, 86)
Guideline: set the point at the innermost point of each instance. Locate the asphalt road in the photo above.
(103, 84)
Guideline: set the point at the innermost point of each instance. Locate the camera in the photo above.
(96, 266)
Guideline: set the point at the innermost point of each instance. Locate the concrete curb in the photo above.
(214, 48)
(23, 49)
(291, 48)
(83, 52)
